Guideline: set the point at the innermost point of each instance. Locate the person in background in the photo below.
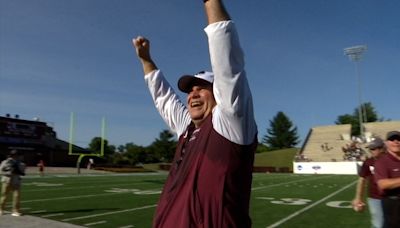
(90, 163)
(11, 169)
(366, 177)
(209, 182)
(41, 167)
(387, 176)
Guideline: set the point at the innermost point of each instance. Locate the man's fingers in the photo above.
(136, 42)
(140, 42)
(142, 46)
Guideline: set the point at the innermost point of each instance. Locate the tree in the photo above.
(281, 134)
(136, 154)
(350, 119)
(261, 148)
(95, 147)
(164, 147)
(368, 115)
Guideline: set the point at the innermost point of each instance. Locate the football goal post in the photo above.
(80, 154)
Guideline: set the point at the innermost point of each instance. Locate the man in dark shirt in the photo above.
(387, 175)
(376, 147)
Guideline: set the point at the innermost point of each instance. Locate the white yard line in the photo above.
(290, 182)
(95, 175)
(109, 213)
(70, 197)
(310, 206)
(52, 215)
(95, 223)
(128, 226)
(75, 188)
(36, 212)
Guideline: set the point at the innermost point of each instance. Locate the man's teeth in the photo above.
(195, 103)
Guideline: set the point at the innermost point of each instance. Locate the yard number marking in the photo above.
(299, 201)
(310, 206)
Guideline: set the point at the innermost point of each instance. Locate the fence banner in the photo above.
(327, 167)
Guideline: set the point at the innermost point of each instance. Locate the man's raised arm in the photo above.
(215, 11)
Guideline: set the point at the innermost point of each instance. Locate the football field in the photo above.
(129, 200)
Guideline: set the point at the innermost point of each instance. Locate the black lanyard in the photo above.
(187, 137)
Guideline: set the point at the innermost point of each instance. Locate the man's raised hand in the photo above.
(142, 46)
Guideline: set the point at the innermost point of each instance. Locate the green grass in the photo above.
(129, 200)
(276, 158)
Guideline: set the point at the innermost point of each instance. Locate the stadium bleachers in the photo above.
(380, 129)
(326, 143)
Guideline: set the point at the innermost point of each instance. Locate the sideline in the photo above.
(28, 221)
(311, 206)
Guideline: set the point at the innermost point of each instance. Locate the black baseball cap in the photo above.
(393, 135)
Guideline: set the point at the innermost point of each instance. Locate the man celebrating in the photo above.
(210, 178)
(387, 175)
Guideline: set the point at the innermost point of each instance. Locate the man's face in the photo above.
(376, 152)
(200, 102)
(393, 144)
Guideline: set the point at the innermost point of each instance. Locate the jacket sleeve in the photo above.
(233, 116)
(167, 102)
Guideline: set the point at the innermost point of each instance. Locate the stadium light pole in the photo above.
(355, 53)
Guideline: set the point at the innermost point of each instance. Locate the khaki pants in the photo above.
(6, 188)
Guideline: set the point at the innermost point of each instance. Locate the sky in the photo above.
(63, 56)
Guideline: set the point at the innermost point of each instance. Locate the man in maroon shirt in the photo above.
(376, 147)
(387, 175)
(209, 183)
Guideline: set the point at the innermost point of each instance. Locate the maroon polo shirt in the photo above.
(209, 183)
(388, 166)
(367, 172)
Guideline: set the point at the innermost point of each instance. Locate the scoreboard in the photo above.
(15, 130)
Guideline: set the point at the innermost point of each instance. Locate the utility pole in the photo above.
(355, 53)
